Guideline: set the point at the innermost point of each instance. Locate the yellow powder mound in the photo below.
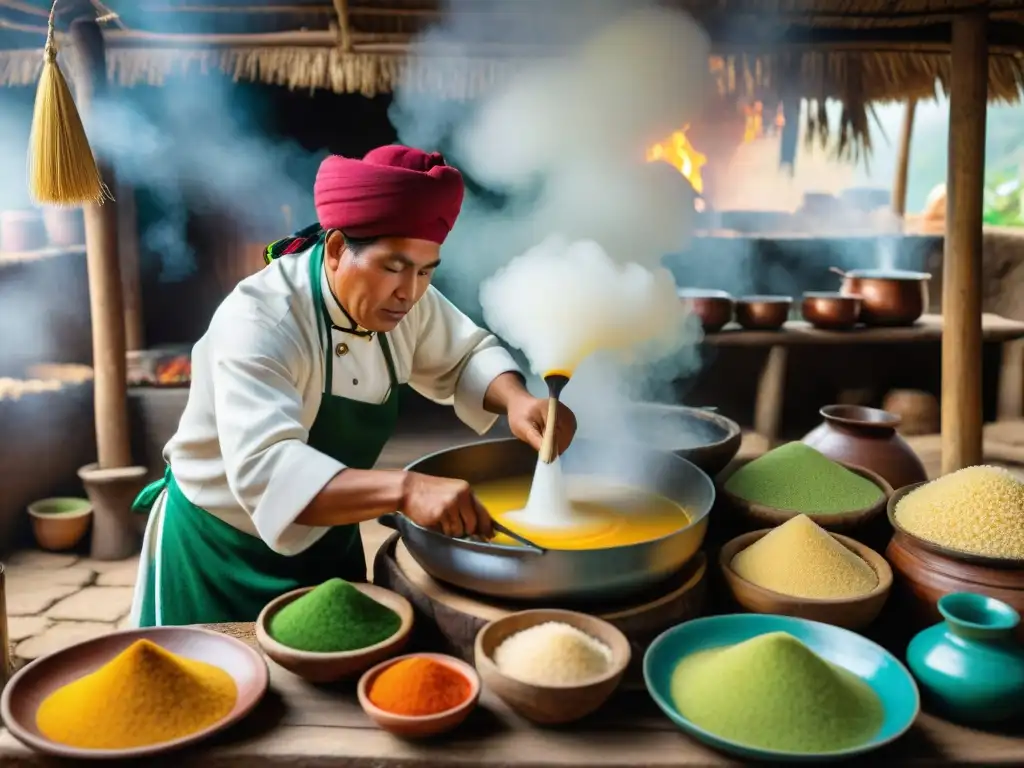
(145, 695)
(801, 559)
(979, 510)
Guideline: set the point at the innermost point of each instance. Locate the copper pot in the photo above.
(831, 311)
(867, 437)
(714, 308)
(763, 313)
(889, 297)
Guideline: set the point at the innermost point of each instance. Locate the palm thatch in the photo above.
(855, 51)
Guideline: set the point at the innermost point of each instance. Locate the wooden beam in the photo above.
(105, 299)
(344, 32)
(961, 275)
(131, 278)
(899, 185)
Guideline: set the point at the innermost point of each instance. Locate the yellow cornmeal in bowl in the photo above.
(977, 510)
(143, 696)
(801, 559)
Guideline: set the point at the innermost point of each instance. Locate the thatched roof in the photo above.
(855, 50)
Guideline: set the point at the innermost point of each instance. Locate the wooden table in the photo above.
(300, 725)
(771, 386)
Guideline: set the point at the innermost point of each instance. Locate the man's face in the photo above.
(381, 282)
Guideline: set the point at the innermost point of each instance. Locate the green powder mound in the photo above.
(773, 692)
(332, 618)
(796, 477)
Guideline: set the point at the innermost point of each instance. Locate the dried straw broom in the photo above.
(62, 169)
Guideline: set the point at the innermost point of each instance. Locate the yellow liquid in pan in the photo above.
(609, 515)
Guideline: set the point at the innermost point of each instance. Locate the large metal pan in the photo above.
(698, 435)
(520, 573)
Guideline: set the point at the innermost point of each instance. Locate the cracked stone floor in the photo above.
(56, 600)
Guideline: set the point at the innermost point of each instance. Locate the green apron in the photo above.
(210, 572)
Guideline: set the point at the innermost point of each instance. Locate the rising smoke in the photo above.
(196, 145)
(574, 214)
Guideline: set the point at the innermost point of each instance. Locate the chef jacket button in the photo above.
(341, 349)
(355, 381)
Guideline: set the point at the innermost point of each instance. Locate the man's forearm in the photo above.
(503, 390)
(355, 495)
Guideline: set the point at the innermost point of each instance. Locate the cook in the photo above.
(295, 391)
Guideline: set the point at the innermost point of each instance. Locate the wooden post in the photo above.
(105, 301)
(961, 274)
(899, 184)
(128, 251)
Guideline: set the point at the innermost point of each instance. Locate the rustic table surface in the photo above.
(797, 332)
(301, 725)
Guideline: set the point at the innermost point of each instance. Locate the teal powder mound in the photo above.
(333, 618)
(796, 477)
(773, 692)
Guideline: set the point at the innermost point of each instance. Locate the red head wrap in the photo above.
(394, 191)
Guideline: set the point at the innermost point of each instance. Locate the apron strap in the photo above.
(316, 261)
(147, 496)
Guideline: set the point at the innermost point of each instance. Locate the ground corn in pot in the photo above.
(977, 510)
(798, 478)
(419, 686)
(773, 692)
(553, 653)
(145, 695)
(801, 559)
(333, 618)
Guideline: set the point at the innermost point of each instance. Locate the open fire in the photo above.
(678, 152)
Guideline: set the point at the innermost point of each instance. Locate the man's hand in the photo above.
(444, 504)
(527, 417)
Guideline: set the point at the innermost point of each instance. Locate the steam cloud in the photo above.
(559, 302)
(559, 151)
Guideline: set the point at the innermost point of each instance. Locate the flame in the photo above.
(678, 152)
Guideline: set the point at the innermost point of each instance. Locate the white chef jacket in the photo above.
(240, 451)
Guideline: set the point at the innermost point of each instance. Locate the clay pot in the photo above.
(21, 232)
(65, 227)
(115, 533)
(921, 578)
(59, 524)
(867, 438)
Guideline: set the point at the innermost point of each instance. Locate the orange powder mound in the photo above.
(145, 695)
(419, 686)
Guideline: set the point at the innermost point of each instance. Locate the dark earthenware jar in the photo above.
(867, 437)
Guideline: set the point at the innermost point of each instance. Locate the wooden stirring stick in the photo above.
(556, 383)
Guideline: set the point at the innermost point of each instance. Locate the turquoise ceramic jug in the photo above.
(969, 667)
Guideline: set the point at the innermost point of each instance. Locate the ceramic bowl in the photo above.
(60, 523)
(850, 612)
(551, 704)
(344, 665)
(939, 549)
(763, 516)
(33, 683)
(888, 678)
(423, 726)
